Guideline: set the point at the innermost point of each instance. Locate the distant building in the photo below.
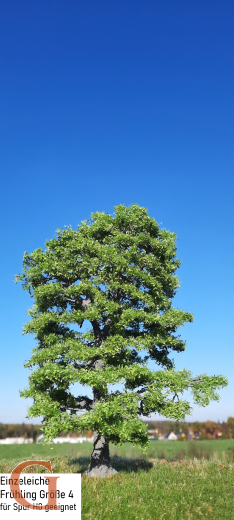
(15, 440)
(168, 437)
(152, 434)
(190, 434)
(217, 434)
(72, 440)
(172, 437)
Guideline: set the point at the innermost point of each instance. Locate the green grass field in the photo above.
(216, 449)
(146, 488)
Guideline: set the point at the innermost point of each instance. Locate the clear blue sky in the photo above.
(113, 102)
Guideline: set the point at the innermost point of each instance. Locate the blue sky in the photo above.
(106, 103)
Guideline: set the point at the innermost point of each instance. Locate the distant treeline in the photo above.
(28, 431)
(31, 431)
(205, 430)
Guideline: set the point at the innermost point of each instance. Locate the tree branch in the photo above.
(81, 403)
(191, 383)
(86, 366)
(195, 380)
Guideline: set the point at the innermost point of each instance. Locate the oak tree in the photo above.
(115, 273)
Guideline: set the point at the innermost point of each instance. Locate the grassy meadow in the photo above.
(214, 449)
(171, 481)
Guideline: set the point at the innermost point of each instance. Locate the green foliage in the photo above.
(118, 272)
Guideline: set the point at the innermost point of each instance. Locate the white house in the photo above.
(172, 437)
(72, 440)
(15, 440)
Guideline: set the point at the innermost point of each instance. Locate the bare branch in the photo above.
(195, 380)
(81, 403)
(144, 389)
(85, 302)
(86, 366)
(96, 329)
(190, 383)
(99, 364)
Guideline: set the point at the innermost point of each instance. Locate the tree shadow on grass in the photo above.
(130, 465)
(118, 463)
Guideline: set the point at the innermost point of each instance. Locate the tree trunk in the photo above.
(100, 465)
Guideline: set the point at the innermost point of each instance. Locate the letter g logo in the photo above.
(52, 491)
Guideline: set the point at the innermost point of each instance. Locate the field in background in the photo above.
(215, 449)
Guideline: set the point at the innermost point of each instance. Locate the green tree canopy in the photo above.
(116, 272)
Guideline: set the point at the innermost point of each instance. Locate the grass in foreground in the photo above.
(150, 489)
